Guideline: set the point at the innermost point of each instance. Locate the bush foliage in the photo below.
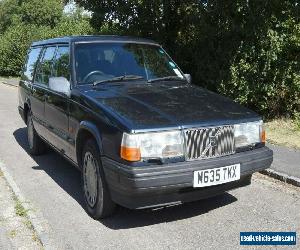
(265, 74)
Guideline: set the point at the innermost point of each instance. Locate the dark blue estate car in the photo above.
(122, 111)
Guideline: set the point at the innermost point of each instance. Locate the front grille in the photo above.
(209, 142)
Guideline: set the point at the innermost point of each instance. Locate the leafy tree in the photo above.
(14, 46)
(8, 11)
(72, 25)
(27, 21)
(41, 12)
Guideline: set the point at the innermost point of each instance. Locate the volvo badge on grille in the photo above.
(212, 142)
(209, 142)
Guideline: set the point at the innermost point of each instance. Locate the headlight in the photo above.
(151, 145)
(250, 133)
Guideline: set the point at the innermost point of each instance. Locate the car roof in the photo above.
(102, 38)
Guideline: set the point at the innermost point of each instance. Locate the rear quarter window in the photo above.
(32, 60)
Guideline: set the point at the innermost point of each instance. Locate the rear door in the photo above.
(57, 104)
(40, 88)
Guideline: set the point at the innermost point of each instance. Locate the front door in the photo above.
(39, 90)
(57, 105)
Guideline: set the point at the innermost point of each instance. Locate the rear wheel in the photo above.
(36, 144)
(96, 193)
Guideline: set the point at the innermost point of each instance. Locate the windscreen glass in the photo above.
(103, 61)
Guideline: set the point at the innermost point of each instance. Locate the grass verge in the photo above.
(22, 212)
(285, 132)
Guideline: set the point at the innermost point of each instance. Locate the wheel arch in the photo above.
(87, 130)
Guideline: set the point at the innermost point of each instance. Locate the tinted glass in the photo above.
(31, 63)
(101, 61)
(45, 68)
(61, 62)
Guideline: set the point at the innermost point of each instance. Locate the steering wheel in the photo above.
(98, 72)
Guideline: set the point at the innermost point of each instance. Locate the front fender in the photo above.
(92, 129)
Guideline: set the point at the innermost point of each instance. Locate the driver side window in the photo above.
(82, 64)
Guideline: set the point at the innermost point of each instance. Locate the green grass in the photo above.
(285, 132)
(19, 209)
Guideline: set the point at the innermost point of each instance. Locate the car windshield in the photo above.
(98, 62)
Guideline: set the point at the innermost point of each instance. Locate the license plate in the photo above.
(216, 176)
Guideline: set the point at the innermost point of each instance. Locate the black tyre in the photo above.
(96, 193)
(36, 144)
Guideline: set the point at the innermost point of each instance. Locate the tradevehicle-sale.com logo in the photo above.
(268, 238)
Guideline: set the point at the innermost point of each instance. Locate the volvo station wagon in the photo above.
(142, 135)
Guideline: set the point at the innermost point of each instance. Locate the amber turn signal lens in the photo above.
(130, 154)
(263, 136)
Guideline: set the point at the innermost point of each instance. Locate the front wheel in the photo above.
(96, 193)
(35, 143)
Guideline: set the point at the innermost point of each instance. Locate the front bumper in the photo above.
(157, 185)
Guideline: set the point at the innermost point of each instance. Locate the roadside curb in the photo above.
(282, 177)
(38, 223)
(7, 83)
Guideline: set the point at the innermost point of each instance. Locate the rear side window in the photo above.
(45, 67)
(33, 57)
(61, 62)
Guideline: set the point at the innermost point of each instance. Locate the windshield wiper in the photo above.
(166, 78)
(119, 78)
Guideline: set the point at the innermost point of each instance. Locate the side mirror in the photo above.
(188, 77)
(60, 85)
